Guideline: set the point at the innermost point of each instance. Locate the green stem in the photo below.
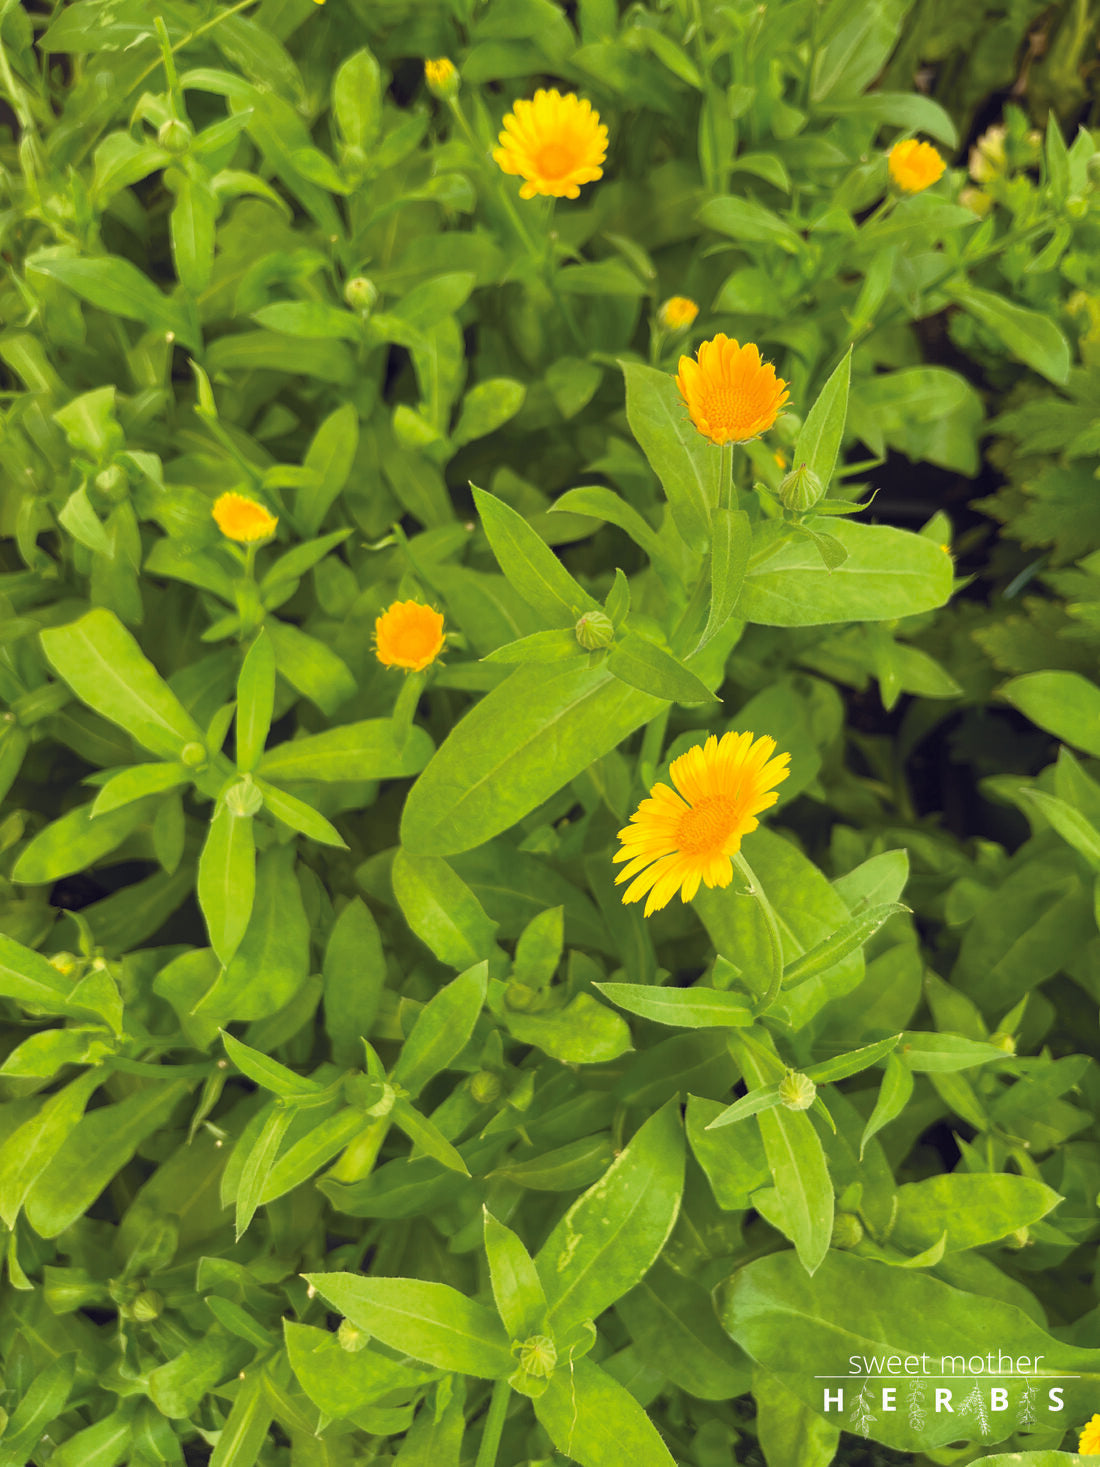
(494, 1424)
(654, 738)
(725, 477)
(771, 926)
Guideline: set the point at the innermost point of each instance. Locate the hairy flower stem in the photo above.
(725, 478)
(771, 926)
(494, 1424)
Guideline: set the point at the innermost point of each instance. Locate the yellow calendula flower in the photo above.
(243, 519)
(441, 76)
(677, 313)
(553, 143)
(1089, 1445)
(731, 395)
(409, 634)
(675, 841)
(915, 166)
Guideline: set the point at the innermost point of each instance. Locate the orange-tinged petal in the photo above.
(409, 634)
(731, 395)
(554, 143)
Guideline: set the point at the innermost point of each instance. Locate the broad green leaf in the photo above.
(732, 1158)
(519, 745)
(1064, 703)
(611, 1235)
(854, 1314)
(372, 749)
(730, 542)
(357, 91)
(227, 880)
(255, 701)
(340, 1382)
(682, 1008)
(77, 841)
(673, 1325)
(103, 664)
(94, 1151)
(329, 458)
(887, 573)
(354, 972)
(114, 285)
(105, 1444)
(36, 985)
(442, 910)
(1029, 335)
(749, 222)
(28, 1150)
(431, 1322)
(788, 1430)
(486, 407)
(582, 1032)
(642, 664)
(686, 464)
(311, 667)
(819, 438)
(442, 1030)
(530, 565)
(517, 1289)
(137, 782)
(39, 1408)
(593, 1420)
(539, 949)
(971, 1208)
(177, 1387)
(312, 319)
(83, 524)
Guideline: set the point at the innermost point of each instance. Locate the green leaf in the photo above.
(593, 1420)
(255, 701)
(1070, 824)
(530, 565)
(788, 1430)
(300, 816)
(354, 971)
(78, 840)
(442, 910)
(486, 407)
(731, 540)
(732, 1158)
(93, 1152)
(888, 573)
(517, 1288)
(843, 1065)
(431, 1322)
(136, 783)
(611, 1235)
(192, 227)
(1064, 703)
(40, 1407)
(893, 1096)
(28, 1150)
(340, 1382)
(682, 1008)
(941, 1053)
(686, 464)
(83, 524)
(673, 1326)
(106, 669)
(553, 645)
(749, 223)
(371, 749)
(329, 459)
(311, 667)
(258, 1162)
(764, 1097)
(427, 1138)
(604, 504)
(266, 1071)
(226, 884)
(539, 949)
(582, 1032)
(642, 664)
(442, 1030)
(1029, 335)
(357, 91)
(847, 939)
(113, 284)
(971, 1208)
(314, 320)
(519, 745)
(312, 1151)
(245, 1431)
(105, 1444)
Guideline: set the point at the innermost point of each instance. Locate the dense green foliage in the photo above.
(347, 1113)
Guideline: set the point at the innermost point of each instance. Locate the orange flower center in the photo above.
(414, 640)
(555, 159)
(729, 410)
(705, 828)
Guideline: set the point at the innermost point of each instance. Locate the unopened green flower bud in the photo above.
(1019, 1239)
(800, 490)
(485, 1087)
(385, 1105)
(797, 1090)
(442, 77)
(194, 755)
(595, 630)
(521, 997)
(175, 136)
(351, 1337)
(65, 963)
(538, 1355)
(847, 1230)
(1077, 206)
(244, 799)
(1003, 1041)
(360, 293)
(112, 483)
(146, 1307)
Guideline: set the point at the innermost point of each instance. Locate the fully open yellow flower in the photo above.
(243, 519)
(409, 634)
(677, 313)
(731, 394)
(674, 843)
(915, 166)
(1089, 1445)
(554, 143)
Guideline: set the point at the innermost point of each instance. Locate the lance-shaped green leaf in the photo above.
(530, 565)
(1029, 335)
(517, 1288)
(442, 910)
(106, 669)
(552, 645)
(843, 1065)
(41, 1406)
(674, 1328)
(372, 749)
(684, 461)
(595, 1421)
(971, 1208)
(258, 1163)
(730, 543)
(35, 984)
(682, 1008)
(310, 1152)
(429, 1321)
(1064, 703)
(604, 504)
(610, 1236)
(115, 285)
(266, 1071)
(299, 816)
(844, 941)
(77, 840)
(226, 885)
(136, 783)
(819, 439)
(28, 1150)
(354, 971)
(641, 663)
(426, 1137)
(1071, 825)
(942, 1053)
(442, 1030)
(255, 701)
(764, 1097)
(84, 525)
(340, 1382)
(893, 1097)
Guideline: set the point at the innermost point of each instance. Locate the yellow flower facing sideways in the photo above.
(915, 166)
(731, 395)
(676, 840)
(409, 634)
(441, 76)
(677, 313)
(243, 520)
(1089, 1445)
(553, 143)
